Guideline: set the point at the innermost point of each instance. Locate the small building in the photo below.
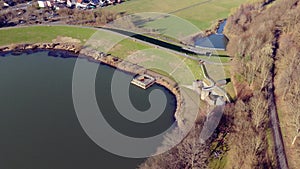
(69, 4)
(44, 4)
(8, 3)
(60, 1)
(143, 81)
(95, 2)
(5, 4)
(80, 5)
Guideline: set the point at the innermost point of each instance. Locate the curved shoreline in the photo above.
(76, 48)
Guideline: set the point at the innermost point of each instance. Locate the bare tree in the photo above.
(259, 108)
(295, 120)
(189, 154)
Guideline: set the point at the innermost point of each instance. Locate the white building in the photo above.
(44, 4)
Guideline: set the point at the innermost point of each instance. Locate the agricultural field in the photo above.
(201, 13)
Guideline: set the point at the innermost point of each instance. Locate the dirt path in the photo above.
(188, 7)
(276, 130)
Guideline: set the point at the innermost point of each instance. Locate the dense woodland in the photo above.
(264, 41)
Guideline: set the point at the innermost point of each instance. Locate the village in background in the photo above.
(74, 12)
(57, 4)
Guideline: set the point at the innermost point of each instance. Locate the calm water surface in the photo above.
(217, 40)
(38, 125)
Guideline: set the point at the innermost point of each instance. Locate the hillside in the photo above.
(264, 43)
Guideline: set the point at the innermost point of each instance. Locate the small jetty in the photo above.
(143, 81)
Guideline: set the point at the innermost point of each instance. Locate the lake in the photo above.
(216, 41)
(39, 128)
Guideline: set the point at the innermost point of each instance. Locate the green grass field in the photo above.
(35, 34)
(183, 70)
(127, 47)
(201, 13)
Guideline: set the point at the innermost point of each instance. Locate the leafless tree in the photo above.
(259, 108)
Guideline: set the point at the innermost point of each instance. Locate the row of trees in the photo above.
(95, 18)
(251, 44)
(287, 80)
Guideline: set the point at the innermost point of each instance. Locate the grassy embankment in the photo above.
(160, 61)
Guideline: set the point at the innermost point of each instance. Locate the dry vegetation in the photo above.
(264, 41)
(87, 17)
(287, 81)
(190, 153)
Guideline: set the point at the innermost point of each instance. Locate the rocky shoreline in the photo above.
(76, 48)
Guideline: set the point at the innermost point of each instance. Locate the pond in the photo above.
(39, 128)
(216, 41)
